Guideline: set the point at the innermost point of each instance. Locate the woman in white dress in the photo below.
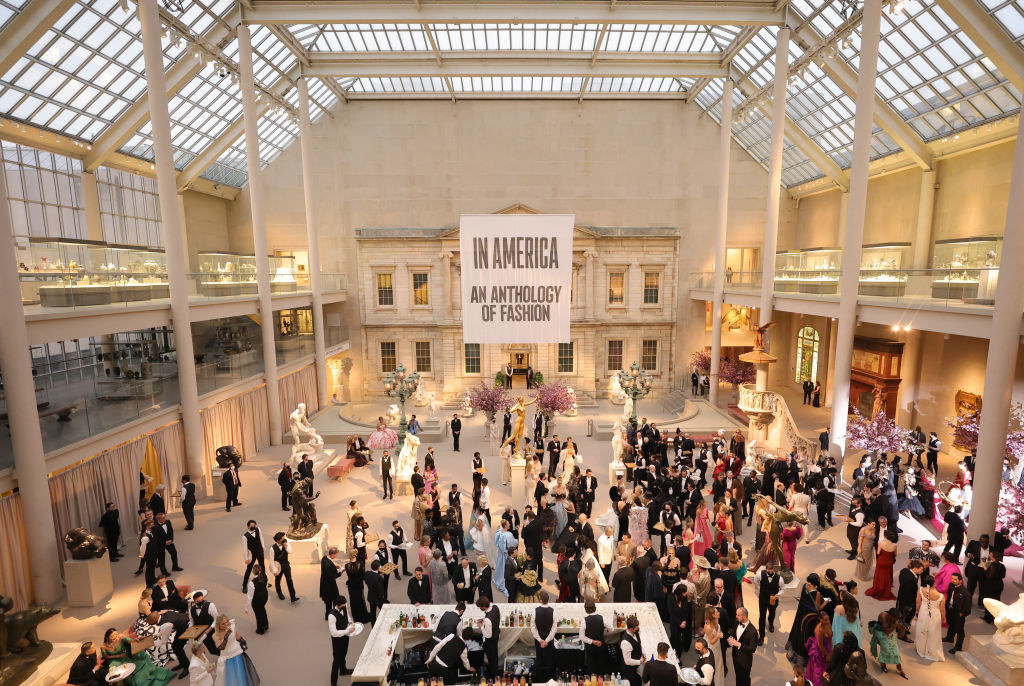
(931, 613)
(714, 636)
(482, 538)
(200, 667)
(232, 667)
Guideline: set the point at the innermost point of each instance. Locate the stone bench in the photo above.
(340, 466)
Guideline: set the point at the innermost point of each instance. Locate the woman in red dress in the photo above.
(881, 589)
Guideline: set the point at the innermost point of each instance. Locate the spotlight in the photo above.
(896, 327)
(906, 327)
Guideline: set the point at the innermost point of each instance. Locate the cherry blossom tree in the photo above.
(489, 399)
(965, 432)
(736, 372)
(1010, 512)
(877, 435)
(701, 361)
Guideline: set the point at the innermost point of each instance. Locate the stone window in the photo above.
(422, 356)
(385, 290)
(616, 288)
(420, 288)
(614, 355)
(565, 361)
(652, 283)
(472, 358)
(388, 356)
(649, 355)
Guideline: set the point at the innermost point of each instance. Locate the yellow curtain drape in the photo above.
(151, 468)
(15, 575)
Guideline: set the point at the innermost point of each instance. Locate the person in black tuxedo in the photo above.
(231, 485)
(110, 523)
(376, 589)
(906, 594)
(659, 672)
(506, 425)
(164, 532)
(955, 531)
(744, 645)
(253, 550)
(285, 481)
(166, 596)
(490, 633)
(416, 480)
(538, 430)
(329, 573)
(87, 669)
(305, 467)
(188, 501)
(456, 431)
(281, 566)
(769, 586)
(156, 501)
(976, 558)
(179, 621)
(419, 588)
(991, 584)
(529, 376)
(478, 464)
(149, 552)
(464, 581)
(808, 387)
(337, 623)
(958, 607)
(554, 453)
(588, 491)
(508, 380)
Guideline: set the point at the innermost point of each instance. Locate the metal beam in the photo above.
(180, 73)
(708, 12)
(508, 63)
(333, 86)
(990, 38)
(884, 116)
(27, 27)
(814, 153)
(510, 95)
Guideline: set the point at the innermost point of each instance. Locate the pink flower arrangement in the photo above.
(736, 372)
(554, 397)
(1010, 513)
(965, 432)
(701, 361)
(489, 399)
(877, 435)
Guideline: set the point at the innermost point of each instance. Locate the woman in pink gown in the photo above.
(382, 438)
(701, 530)
(945, 573)
(430, 480)
(791, 533)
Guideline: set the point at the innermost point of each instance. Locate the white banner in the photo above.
(516, 277)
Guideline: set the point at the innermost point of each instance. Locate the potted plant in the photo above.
(489, 399)
(552, 398)
(877, 435)
(736, 372)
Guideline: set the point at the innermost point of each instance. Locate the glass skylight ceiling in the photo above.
(87, 70)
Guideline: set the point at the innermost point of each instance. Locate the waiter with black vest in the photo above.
(337, 624)
(449, 622)
(281, 566)
(490, 630)
(592, 635)
(188, 501)
(252, 550)
(769, 584)
(543, 631)
(444, 658)
(632, 653)
(396, 542)
(202, 612)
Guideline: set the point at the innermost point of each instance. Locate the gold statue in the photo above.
(759, 335)
(520, 424)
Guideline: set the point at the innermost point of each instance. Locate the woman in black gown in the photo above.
(356, 589)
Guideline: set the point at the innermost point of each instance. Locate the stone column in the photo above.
(724, 149)
(324, 388)
(174, 242)
(446, 273)
(925, 213)
(771, 221)
(589, 254)
(850, 277)
(91, 201)
(259, 228)
(844, 208)
(23, 418)
(1002, 357)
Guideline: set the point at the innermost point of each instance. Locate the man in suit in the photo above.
(285, 481)
(958, 607)
(376, 589)
(955, 530)
(640, 566)
(533, 539)
(419, 588)
(305, 467)
(625, 548)
(508, 377)
(769, 587)
(87, 669)
(751, 485)
(529, 376)
(622, 582)
(934, 446)
(554, 452)
(164, 532)
(906, 593)
(166, 595)
(744, 645)
(156, 501)
(694, 383)
(588, 491)
(337, 625)
(282, 567)
(659, 672)
(824, 439)
(110, 522)
(808, 389)
(149, 552)
(188, 501)
(416, 480)
(592, 635)
(231, 485)
(478, 465)
(179, 623)
(253, 551)
(538, 429)
(329, 573)
(414, 426)
(464, 581)
(991, 583)
(456, 431)
(387, 476)
(976, 559)
(506, 426)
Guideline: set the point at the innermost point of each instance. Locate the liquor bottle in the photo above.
(600, 680)
(529, 620)
(522, 620)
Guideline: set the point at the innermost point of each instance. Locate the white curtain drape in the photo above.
(15, 575)
(298, 387)
(240, 421)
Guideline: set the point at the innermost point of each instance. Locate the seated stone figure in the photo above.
(84, 545)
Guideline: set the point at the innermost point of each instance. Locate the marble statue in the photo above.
(431, 407)
(407, 458)
(575, 410)
(615, 389)
(627, 410)
(304, 523)
(467, 407)
(393, 415)
(418, 398)
(878, 405)
(618, 443)
(299, 423)
(1009, 624)
(84, 545)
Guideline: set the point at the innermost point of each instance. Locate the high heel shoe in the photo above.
(885, 670)
(904, 675)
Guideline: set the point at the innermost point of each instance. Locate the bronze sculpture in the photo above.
(304, 523)
(84, 545)
(21, 651)
(228, 455)
(759, 335)
(772, 547)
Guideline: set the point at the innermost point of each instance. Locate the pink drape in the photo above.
(298, 387)
(240, 421)
(15, 575)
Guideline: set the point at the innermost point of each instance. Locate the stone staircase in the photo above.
(673, 402)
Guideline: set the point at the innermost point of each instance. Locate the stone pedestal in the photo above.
(992, 664)
(615, 470)
(89, 582)
(519, 485)
(55, 667)
(309, 551)
(219, 493)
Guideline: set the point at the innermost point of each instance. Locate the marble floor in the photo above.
(297, 644)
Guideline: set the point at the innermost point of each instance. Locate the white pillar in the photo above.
(771, 221)
(724, 150)
(23, 417)
(1002, 357)
(324, 388)
(844, 209)
(174, 243)
(591, 297)
(259, 228)
(446, 280)
(850, 277)
(925, 213)
(91, 203)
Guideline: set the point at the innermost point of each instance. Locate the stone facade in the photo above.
(424, 328)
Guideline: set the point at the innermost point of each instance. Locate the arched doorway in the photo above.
(807, 344)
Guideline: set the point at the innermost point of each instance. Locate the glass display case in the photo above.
(814, 271)
(135, 272)
(226, 273)
(881, 269)
(59, 272)
(282, 274)
(967, 268)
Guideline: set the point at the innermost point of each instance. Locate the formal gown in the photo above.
(146, 673)
(928, 628)
(881, 589)
(817, 660)
(440, 588)
(789, 541)
(382, 438)
(840, 625)
(716, 650)
(944, 576)
(356, 591)
(702, 536)
(502, 540)
(232, 667)
(866, 552)
(638, 523)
